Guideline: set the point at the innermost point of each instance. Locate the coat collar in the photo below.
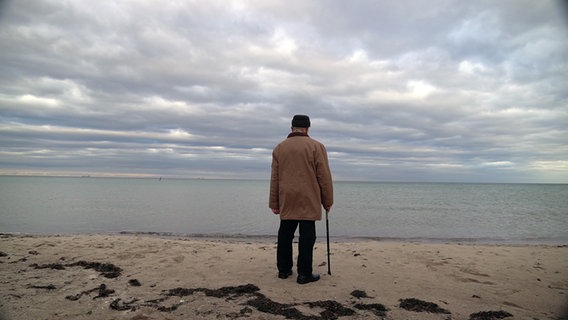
(297, 134)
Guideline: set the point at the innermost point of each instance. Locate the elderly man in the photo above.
(300, 185)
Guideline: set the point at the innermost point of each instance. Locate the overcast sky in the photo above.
(460, 91)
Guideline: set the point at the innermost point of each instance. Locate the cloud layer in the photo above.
(397, 90)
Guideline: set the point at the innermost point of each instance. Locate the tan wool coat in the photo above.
(301, 179)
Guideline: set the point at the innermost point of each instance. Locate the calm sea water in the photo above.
(496, 213)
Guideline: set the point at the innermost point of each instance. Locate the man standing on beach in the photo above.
(300, 185)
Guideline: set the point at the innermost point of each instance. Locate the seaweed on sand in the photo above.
(489, 315)
(416, 305)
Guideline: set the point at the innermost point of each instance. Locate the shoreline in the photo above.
(334, 239)
(153, 277)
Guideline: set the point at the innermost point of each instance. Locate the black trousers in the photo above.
(306, 243)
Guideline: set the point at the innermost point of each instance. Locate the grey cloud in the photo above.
(406, 90)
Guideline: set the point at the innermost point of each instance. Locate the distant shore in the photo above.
(145, 276)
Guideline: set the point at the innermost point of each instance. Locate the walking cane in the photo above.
(327, 231)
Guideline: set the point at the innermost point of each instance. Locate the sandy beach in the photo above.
(150, 277)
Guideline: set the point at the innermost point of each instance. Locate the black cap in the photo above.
(301, 121)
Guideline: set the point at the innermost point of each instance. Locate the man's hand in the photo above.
(327, 209)
(276, 211)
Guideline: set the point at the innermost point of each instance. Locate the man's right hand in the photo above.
(276, 211)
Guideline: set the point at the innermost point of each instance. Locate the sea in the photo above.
(422, 212)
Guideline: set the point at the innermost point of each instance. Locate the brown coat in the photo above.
(301, 179)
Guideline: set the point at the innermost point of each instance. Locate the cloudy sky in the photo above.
(439, 90)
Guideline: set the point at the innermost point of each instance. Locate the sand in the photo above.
(152, 277)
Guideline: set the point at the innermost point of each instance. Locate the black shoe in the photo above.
(307, 279)
(284, 275)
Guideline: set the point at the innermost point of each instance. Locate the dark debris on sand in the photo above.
(332, 310)
(102, 290)
(377, 308)
(416, 305)
(47, 287)
(134, 283)
(264, 304)
(255, 300)
(120, 305)
(107, 270)
(489, 315)
(54, 266)
(359, 294)
(258, 301)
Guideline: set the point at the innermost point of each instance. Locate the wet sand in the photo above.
(148, 277)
